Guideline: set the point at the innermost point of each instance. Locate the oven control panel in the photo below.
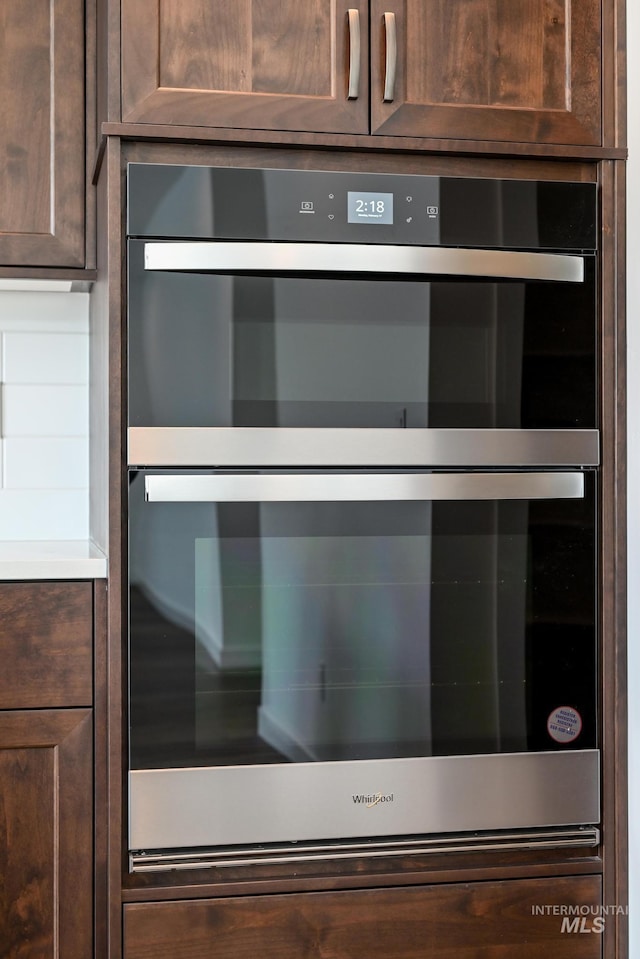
(197, 202)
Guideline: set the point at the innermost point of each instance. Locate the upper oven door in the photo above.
(350, 354)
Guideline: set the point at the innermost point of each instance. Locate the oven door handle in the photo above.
(224, 257)
(361, 487)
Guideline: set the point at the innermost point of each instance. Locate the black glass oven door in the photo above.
(277, 348)
(285, 618)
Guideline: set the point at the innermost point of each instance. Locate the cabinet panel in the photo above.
(46, 872)
(527, 71)
(26, 777)
(42, 121)
(46, 634)
(263, 64)
(459, 921)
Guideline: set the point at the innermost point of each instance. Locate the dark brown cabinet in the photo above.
(464, 905)
(461, 920)
(525, 71)
(46, 771)
(465, 69)
(42, 170)
(46, 639)
(281, 65)
(46, 840)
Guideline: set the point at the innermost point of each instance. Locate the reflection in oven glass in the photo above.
(303, 632)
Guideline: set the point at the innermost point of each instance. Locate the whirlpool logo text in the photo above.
(373, 800)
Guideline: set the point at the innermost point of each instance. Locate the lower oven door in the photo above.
(324, 656)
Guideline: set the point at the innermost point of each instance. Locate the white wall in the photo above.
(44, 416)
(633, 334)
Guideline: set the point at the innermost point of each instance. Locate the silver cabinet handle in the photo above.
(352, 487)
(215, 257)
(354, 54)
(391, 56)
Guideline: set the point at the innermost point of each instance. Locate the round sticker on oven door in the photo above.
(564, 724)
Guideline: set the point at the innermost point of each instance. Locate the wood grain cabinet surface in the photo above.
(492, 920)
(46, 640)
(46, 770)
(509, 70)
(46, 834)
(42, 144)
(274, 65)
(501, 70)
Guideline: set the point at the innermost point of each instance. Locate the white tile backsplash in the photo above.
(45, 358)
(43, 514)
(44, 312)
(44, 416)
(46, 410)
(46, 463)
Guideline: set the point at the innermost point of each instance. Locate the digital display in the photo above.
(369, 207)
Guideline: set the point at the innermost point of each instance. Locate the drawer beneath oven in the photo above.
(529, 918)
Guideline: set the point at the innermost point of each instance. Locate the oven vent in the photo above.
(158, 860)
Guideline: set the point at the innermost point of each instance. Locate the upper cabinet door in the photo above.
(42, 149)
(502, 70)
(258, 64)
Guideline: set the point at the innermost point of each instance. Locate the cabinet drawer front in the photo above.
(492, 919)
(45, 644)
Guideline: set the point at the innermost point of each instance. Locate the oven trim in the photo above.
(577, 837)
(297, 802)
(296, 447)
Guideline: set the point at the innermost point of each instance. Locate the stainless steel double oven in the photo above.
(363, 491)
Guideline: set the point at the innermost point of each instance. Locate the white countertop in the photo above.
(64, 559)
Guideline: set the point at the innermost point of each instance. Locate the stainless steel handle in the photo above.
(352, 487)
(214, 257)
(391, 57)
(354, 54)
